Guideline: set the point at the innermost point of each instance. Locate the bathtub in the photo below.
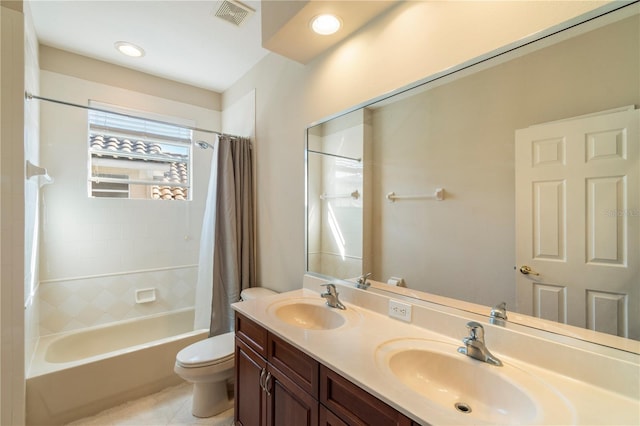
(78, 374)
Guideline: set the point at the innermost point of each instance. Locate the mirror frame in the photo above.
(528, 323)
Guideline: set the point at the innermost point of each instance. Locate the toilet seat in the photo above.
(211, 351)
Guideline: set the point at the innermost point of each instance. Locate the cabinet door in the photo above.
(250, 403)
(327, 418)
(354, 405)
(287, 403)
(297, 365)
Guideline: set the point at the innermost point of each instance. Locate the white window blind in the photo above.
(133, 157)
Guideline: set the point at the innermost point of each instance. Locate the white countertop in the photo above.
(351, 350)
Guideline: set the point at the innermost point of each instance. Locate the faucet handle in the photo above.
(476, 330)
(331, 288)
(499, 311)
(362, 281)
(474, 345)
(332, 296)
(364, 277)
(498, 315)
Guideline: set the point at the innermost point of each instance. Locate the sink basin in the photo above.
(472, 390)
(311, 314)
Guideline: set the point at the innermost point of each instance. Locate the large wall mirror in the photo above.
(513, 179)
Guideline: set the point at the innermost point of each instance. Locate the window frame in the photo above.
(120, 141)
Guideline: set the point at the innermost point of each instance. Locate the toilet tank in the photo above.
(255, 293)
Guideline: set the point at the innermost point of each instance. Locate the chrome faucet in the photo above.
(474, 345)
(498, 314)
(362, 281)
(332, 296)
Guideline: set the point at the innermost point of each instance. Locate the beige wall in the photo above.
(11, 215)
(71, 64)
(411, 42)
(460, 136)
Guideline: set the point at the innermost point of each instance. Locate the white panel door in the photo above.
(578, 221)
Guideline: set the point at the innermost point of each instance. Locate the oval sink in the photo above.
(311, 314)
(469, 388)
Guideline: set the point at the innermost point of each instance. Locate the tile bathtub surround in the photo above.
(171, 406)
(78, 303)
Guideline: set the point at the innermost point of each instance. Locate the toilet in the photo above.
(208, 364)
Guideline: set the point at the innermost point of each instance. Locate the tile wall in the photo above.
(95, 253)
(67, 305)
(336, 223)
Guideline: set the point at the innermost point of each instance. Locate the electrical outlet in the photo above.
(400, 310)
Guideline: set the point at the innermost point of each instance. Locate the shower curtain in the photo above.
(227, 245)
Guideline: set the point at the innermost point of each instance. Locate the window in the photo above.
(109, 189)
(138, 158)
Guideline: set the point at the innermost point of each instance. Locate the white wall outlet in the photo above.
(400, 310)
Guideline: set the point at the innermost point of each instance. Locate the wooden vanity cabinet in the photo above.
(354, 405)
(327, 418)
(279, 385)
(287, 403)
(276, 384)
(250, 399)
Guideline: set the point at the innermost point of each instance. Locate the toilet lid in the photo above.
(210, 351)
(255, 293)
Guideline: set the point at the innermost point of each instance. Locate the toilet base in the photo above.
(210, 399)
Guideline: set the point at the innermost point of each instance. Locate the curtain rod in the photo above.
(30, 96)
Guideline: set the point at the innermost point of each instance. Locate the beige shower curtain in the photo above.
(234, 238)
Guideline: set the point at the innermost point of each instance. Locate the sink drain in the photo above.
(462, 407)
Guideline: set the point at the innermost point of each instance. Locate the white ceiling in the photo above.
(183, 40)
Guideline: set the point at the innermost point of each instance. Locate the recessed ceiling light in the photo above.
(326, 24)
(129, 49)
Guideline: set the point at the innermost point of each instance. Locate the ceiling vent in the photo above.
(233, 11)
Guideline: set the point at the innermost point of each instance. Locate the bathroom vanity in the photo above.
(292, 388)
(417, 187)
(301, 362)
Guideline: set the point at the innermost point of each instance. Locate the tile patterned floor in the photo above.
(171, 406)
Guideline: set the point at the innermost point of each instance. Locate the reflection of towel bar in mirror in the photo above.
(438, 195)
(355, 195)
(334, 155)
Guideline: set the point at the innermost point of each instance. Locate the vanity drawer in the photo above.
(254, 335)
(298, 366)
(354, 405)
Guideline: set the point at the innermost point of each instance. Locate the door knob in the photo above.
(527, 270)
